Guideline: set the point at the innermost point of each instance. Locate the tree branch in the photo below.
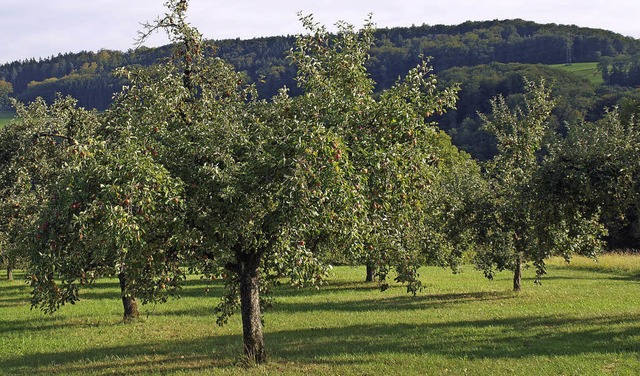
(56, 136)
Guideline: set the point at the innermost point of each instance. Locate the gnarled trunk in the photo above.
(249, 276)
(371, 273)
(128, 302)
(517, 274)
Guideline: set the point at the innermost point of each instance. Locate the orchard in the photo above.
(190, 172)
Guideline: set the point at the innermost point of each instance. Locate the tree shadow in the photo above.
(608, 274)
(43, 323)
(286, 289)
(394, 303)
(111, 290)
(507, 339)
(13, 302)
(634, 277)
(160, 356)
(15, 288)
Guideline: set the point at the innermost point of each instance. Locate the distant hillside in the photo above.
(575, 99)
(85, 75)
(480, 55)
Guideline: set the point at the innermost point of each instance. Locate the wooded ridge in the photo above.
(479, 55)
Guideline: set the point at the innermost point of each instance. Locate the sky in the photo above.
(44, 28)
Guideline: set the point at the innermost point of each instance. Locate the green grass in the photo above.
(626, 263)
(6, 117)
(580, 321)
(584, 70)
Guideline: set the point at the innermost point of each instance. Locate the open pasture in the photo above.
(583, 320)
(6, 117)
(585, 70)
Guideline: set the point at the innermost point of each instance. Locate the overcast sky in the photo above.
(42, 28)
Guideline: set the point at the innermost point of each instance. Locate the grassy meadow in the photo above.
(583, 320)
(585, 70)
(6, 117)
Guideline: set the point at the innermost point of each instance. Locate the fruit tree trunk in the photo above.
(371, 273)
(128, 302)
(517, 274)
(252, 336)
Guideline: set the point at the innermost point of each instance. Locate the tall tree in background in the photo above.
(594, 170)
(6, 89)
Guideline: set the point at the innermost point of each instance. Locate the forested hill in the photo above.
(87, 75)
(511, 41)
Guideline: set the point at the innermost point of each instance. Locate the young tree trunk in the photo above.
(371, 273)
(10, 270)
(128, 302)
(253, 340)
(517, 274)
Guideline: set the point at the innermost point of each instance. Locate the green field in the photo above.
(584, 70)
(6, 117)
(583, 320)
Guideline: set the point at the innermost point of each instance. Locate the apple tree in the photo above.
(409, 181)
(522, 220)
(33, 150)
(261, 178)
(113, 211)
(80, 201)
(273, 187)
(190, 168)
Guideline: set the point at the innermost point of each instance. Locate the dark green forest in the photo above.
(486, 58)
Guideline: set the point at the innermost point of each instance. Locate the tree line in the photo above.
(191, 170)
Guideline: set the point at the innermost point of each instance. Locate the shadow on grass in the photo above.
(331, 287)
(14, 294)
(604, 273)
(28, 325)
(14, 302)
(162, 356)
(507, 339)
(15, 288)
(634, 277)
(395, 303)
(111, 290)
